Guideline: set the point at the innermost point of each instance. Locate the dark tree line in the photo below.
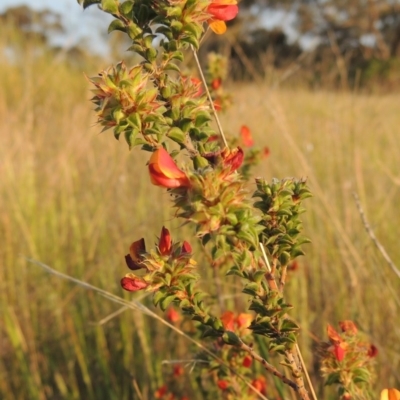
(356, 42)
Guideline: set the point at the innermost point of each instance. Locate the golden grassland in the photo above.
(75, 199)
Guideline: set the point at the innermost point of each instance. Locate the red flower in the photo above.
(161, 391)
(165, 242)
(223, 384)
(173, 315)
(247, 361)
(178, 370)
(133, 283)
(164, 172)
(232, 159)
(216, 83)
(221, 10)
(186, 248)
(339, 352)
(246, 136)
(372, 351)
(134, 258)
(348, 327)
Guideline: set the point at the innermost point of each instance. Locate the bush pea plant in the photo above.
(253, 236)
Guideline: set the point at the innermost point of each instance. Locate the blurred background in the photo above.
(315, 81)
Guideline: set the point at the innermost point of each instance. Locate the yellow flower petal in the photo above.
(219, 27)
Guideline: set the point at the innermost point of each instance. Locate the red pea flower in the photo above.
(372, 351)
(134, 258)
(165, 242)
(173, 315)
(216, 83)
(247, 138)
(232, 159)
(132, 283)
(186, 248)
(164, 172)
(339, 352)
(221, 11)
(223, 385)
(247, 361)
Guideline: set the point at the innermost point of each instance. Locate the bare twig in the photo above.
(373, 237)
(203, 79)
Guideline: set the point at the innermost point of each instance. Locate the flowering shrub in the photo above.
(254, 237)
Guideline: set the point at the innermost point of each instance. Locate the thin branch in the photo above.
(203, 79)
(371, 234)
(270, 368)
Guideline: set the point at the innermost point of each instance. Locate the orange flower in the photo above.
(133, 283)
(134, 258)
(243, 320)
(228, 320)
(334, 337)
(390, 394)
(260, 384)
(165, 242)
(246, 136)
(164, 172)
(221, 11)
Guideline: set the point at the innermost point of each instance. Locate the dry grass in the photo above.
(75, 200)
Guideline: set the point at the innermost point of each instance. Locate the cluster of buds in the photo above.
(348, 361)
(168, 266)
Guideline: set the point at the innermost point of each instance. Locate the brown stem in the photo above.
(270, 368)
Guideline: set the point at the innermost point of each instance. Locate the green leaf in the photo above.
(166, 301)
(177, 135)
(110, 6)
(116, 25)
(135, 121)
(231, 338)
(126, 7)
(88, 3)
(158, 296)
(333, 378)
(172, 67)
(130, 136)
